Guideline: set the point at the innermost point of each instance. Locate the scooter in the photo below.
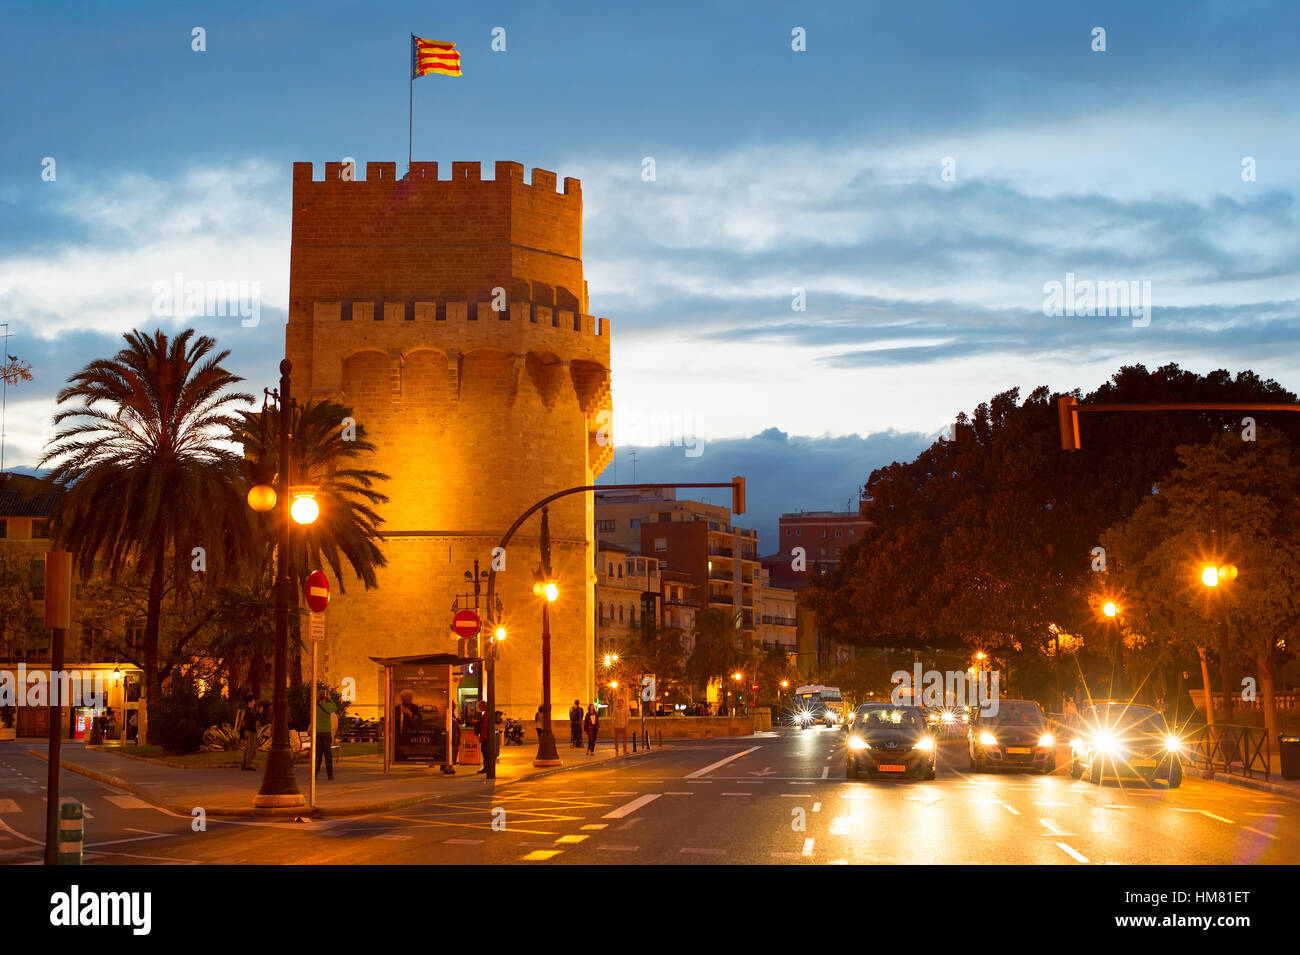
(514, 732)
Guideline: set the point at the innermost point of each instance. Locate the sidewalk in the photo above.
(1275, 784)
(359, 785)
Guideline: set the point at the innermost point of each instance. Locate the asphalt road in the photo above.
(769, 800)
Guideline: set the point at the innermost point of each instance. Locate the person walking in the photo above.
(246, 726)
(325, 710)
(592, 725)
(575, 725)
(621, 712)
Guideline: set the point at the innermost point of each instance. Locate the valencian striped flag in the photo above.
(433, 56)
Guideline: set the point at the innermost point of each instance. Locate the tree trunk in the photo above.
(1225, 681)
(152, 621)
(1268, 698)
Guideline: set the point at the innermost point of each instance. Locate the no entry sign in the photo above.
(318, 592)
(466, 624)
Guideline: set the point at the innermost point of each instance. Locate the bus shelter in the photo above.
(420, 700)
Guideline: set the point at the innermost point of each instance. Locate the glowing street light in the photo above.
(1110, 608)
(304, 508)
(500, 634)
(261, 497)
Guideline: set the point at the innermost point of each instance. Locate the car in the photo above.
(889, 740)
(1125, 739)
(1014, 736)
(816, 714)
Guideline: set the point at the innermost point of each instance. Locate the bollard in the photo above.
(71, 832)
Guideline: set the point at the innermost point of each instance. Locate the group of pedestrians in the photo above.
(255, 713)
(588, 724)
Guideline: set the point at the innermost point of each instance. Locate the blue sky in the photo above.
(775, 169)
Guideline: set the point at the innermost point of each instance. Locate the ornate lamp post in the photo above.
(279, 787)
(546, 588)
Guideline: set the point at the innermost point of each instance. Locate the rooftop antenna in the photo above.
(633, 453)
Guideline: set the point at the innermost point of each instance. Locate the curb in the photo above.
(1258, 785)
(247, 812)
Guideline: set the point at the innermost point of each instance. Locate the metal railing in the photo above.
(1234, 750)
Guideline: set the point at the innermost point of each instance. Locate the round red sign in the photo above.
(466, 624)
(318, 591)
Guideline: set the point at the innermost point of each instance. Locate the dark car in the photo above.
(1124, 739)
(889, 740)
(1015, 736)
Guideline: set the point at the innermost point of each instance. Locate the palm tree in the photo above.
(327, 445)
(146, 475)
(714, 656)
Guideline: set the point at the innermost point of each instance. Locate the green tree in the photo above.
(1228, 503)
(19, 627)
(714, 657)
(328, 449)
(147, 472)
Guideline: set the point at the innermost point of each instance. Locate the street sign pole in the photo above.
(311, 701)
(318, 598)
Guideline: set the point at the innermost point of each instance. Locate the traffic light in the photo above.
(1069, 419)
(738, 495)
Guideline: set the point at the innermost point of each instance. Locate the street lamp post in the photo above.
(1211, 576)
(279, 787)
(545, 587)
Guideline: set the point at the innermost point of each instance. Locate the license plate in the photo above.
(1019, 750)
(1143, 762)
(891, 768)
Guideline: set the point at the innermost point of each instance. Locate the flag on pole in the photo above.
(433, 56)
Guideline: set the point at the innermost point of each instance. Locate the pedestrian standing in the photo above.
(246, 725)
(325, 710)
(481, 730)
(539, 723)
(575, 725)
(592, 725)
(622, 715)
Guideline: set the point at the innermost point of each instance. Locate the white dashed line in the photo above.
(817, 807)
(826, 771)
(617, 848)
(722, 762)
(808, 846)
(631, 807)
(1072, 854)
(1260, 832)
(1011, 809)
(737, 794)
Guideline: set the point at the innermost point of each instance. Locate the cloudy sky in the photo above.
(920, 171)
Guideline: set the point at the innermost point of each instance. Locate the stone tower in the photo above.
(451, 315)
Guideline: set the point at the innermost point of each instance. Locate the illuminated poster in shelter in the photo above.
(421, 715)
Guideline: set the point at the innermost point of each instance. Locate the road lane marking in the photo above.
(1077, 857)
(631, 807)
(808, 846)
(568, 839)
(541, 855)
(617, 848)
(622, 794)
(18, 835)
(1260, 832)
(9, 805)
(679, 794)
(737, 794)
(128, 802)
(704, 852)
(1011, 809)
(1111, 805)
(392, 836)
(596, 825)
(1206, 812)
(1051, 826)
(462, 842)
(720, 763)
(1271, 815)
(817, 807)
(826, 771)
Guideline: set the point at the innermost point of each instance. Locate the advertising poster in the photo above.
(421, 716)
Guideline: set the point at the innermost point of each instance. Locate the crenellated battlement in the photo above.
(427, 172)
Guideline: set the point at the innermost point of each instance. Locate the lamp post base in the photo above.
(286, 800)
(547, 754)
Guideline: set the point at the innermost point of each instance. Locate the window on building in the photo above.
(40, 529)
(823, 552)
(345, 311)
(611, 568)
(408, 312)
(600, 609)
(620, 613)
(789, 532)
(661, 544)
(634, 523)
(798, 532)
(823, 532)
(838, 532)
(4, 529)
(605, 527)
(620, 571)
(379, 311)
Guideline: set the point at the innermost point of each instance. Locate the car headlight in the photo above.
(1173, 744)
(857, 742)
(1109, 745)
(948, 717)
(1047, 739)
(925, 745)
(988, 739)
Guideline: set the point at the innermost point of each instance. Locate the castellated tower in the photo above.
(476, 413)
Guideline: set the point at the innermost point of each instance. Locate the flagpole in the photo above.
(410, 110)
